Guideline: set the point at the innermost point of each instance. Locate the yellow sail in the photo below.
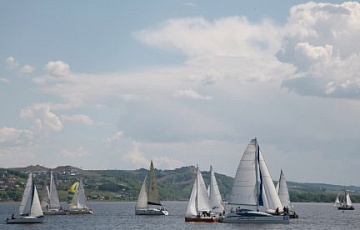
(71, 191)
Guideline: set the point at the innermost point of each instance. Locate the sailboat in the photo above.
(77, 199)
(152, 198)
(247, 190)
(30, 211)
(53, 206)
(198, 209)
(283, 192)
(216, 203)
(345, 203)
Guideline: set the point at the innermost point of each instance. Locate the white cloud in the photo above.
(77, 154)
(136, 158)
(11, 63)
(117, 137)
(27, 69)
(78, 118)
(14, 136)
(4, 80)
(43, 119)
(57, 68)
(189, 93)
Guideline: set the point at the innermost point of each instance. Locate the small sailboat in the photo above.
(283, 192)
(254, 188)
(52, 203)
(216, 202)
(77, 199)
(343, 202)
(148, 203)
(30, 211)
(198, 209)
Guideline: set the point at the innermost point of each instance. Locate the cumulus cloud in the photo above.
(11, 63)
(27, 69)
(42, 118)
(9, 135)
(136, 157)
(117, 137)
(4, 80)
(57, 68)
(78, 118)
(321, 41)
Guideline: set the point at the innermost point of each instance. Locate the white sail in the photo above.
(348, 200)
(199, 200)
(142, 199)
(79, 199)
(337, 201)
(244, 190)
(26, 200)
(191, 208)
(35, 206)
(283, 191)
(270, 197)
(54, 198)
(216, 202)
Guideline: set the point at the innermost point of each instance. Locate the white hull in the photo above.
(254, 218)
(55, 212)
(80, 211)
(26, 220)
(151, 212)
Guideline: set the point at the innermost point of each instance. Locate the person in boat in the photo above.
(232, 210)
(12, 216)
(277, 211)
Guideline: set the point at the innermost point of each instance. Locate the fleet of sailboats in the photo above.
(30, 211)
(253, 187)
(149, 203)
(199, 209)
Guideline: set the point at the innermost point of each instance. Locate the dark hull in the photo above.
(201, 219)
(346, 208)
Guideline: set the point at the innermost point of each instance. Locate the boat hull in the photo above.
(252, 218)
(55, 212)
(80, 211)
(202, 219)
(26, 220)
(151, 212)
(346, 208)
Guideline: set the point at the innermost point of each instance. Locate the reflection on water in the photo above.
(120, 215)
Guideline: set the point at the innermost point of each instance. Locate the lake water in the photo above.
(120, 215)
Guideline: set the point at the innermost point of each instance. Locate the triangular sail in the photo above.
(203, 203)
(271, 199)
(35, 206)
(54, 198)
(45, 197)
(216, 203)
(191, 208)
(153, 196)
(71, 191)
(283, 191)
(26, 200)
(244, 190)
(337, 201)
(79, 199)
(348, 200)
(142, 199)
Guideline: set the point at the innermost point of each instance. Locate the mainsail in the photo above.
(142, 199)
(154, 197)
(214, 194)
(54, 198)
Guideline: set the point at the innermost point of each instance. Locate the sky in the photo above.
(115, 84)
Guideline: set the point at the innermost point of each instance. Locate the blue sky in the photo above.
(115, 84)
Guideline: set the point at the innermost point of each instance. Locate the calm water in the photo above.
(119, 215)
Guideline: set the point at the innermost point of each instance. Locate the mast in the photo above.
(256, 172)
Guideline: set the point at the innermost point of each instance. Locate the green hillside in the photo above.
(124, 185)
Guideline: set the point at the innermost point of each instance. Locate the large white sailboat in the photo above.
(283, 192)
(216, 203)
(253, 188)
(77, 199)
(30, 211)
(149, 203)
(53, 206)
(198, 209)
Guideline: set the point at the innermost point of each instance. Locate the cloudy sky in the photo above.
(115, 84)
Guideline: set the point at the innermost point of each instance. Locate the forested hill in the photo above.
(124, 185)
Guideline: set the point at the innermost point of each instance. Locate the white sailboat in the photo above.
(53, 207)
(345, 203)
(247, 190)
(77, 199)
(198, 209)
(152, 198)
(30, 211)
(216, 202)
(283, 192)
